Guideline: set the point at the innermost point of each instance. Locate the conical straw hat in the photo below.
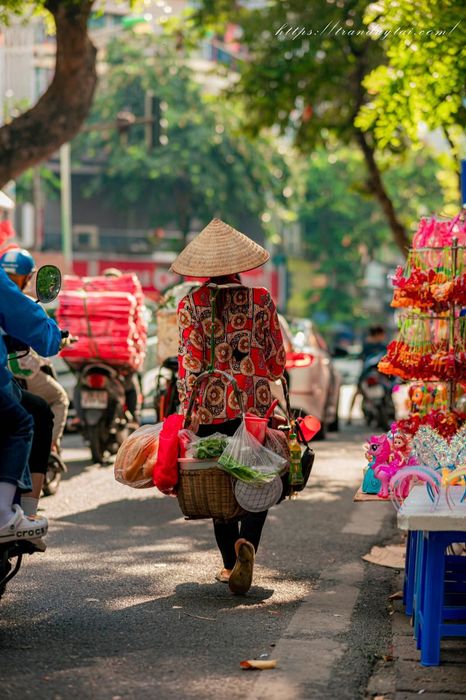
(219, 250)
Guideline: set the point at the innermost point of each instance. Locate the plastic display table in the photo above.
(435, 583)
(417, 512)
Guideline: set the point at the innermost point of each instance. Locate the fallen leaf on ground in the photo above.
(396, 596)
(259, 664)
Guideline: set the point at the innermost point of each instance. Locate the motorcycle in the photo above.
(48, 284)
(99, 398)
(376, 390)
(56, 467)
(8, 553)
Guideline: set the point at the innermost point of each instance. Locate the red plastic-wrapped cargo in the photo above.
(107, 315)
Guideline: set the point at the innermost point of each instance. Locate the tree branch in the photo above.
(453, 155)
(375, 181)
(58, 114)
(377, 187)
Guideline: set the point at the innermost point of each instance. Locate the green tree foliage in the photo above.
(36, 133)
(203, 167)
(17, 7)
(424, 80)
(24, 185)
(312, 67)
(343, 229)
(310, 85)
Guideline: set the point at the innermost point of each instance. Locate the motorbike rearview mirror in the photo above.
(48, 283)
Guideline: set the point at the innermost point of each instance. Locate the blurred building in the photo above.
(103, 237)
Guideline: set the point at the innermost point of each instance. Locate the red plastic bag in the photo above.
(165, 473)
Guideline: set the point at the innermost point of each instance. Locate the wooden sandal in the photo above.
(241, 576)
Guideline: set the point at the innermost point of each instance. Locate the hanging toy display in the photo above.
(429, 352)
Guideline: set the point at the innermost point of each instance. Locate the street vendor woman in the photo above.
(248, 346)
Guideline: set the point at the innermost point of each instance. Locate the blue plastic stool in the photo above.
(439, 593)
(410, 571)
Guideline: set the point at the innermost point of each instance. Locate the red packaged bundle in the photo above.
(106, 314)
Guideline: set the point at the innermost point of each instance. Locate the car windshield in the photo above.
(304, 336)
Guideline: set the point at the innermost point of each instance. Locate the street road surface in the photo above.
(124, 603)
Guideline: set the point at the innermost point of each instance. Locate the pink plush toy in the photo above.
(379, 450)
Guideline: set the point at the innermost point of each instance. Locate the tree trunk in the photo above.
(454, 156)
(375, 181)
(377, 188)
(57, 116)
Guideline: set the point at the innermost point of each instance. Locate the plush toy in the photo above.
(377, 451)
(401, 457)
(387, 454)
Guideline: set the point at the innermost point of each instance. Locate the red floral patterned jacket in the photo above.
(248, 345)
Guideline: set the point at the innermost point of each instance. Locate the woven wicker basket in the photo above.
(204, 490)
(207, 493)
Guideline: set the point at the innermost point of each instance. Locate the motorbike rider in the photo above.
(34, 371)
(373, 349)
(21, 318)
(375, 343)
(131, 382)
(19, 265)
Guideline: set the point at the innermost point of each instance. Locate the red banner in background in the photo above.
(155, 276)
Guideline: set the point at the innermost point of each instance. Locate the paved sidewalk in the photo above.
(401, 676)
(340, 631)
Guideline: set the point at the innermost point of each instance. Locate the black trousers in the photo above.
(43, 429)
(250, 526)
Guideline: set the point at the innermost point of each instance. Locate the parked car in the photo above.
(314, 383)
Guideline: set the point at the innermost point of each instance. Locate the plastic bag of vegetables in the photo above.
(247, 460)
(207, 447)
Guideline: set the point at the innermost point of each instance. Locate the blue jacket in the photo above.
(21, 318)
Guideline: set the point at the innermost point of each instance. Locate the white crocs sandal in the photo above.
(20, 527)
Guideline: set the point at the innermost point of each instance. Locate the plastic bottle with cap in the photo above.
(296, 475)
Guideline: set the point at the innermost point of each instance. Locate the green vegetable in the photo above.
(208, 448)
(242, 471)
